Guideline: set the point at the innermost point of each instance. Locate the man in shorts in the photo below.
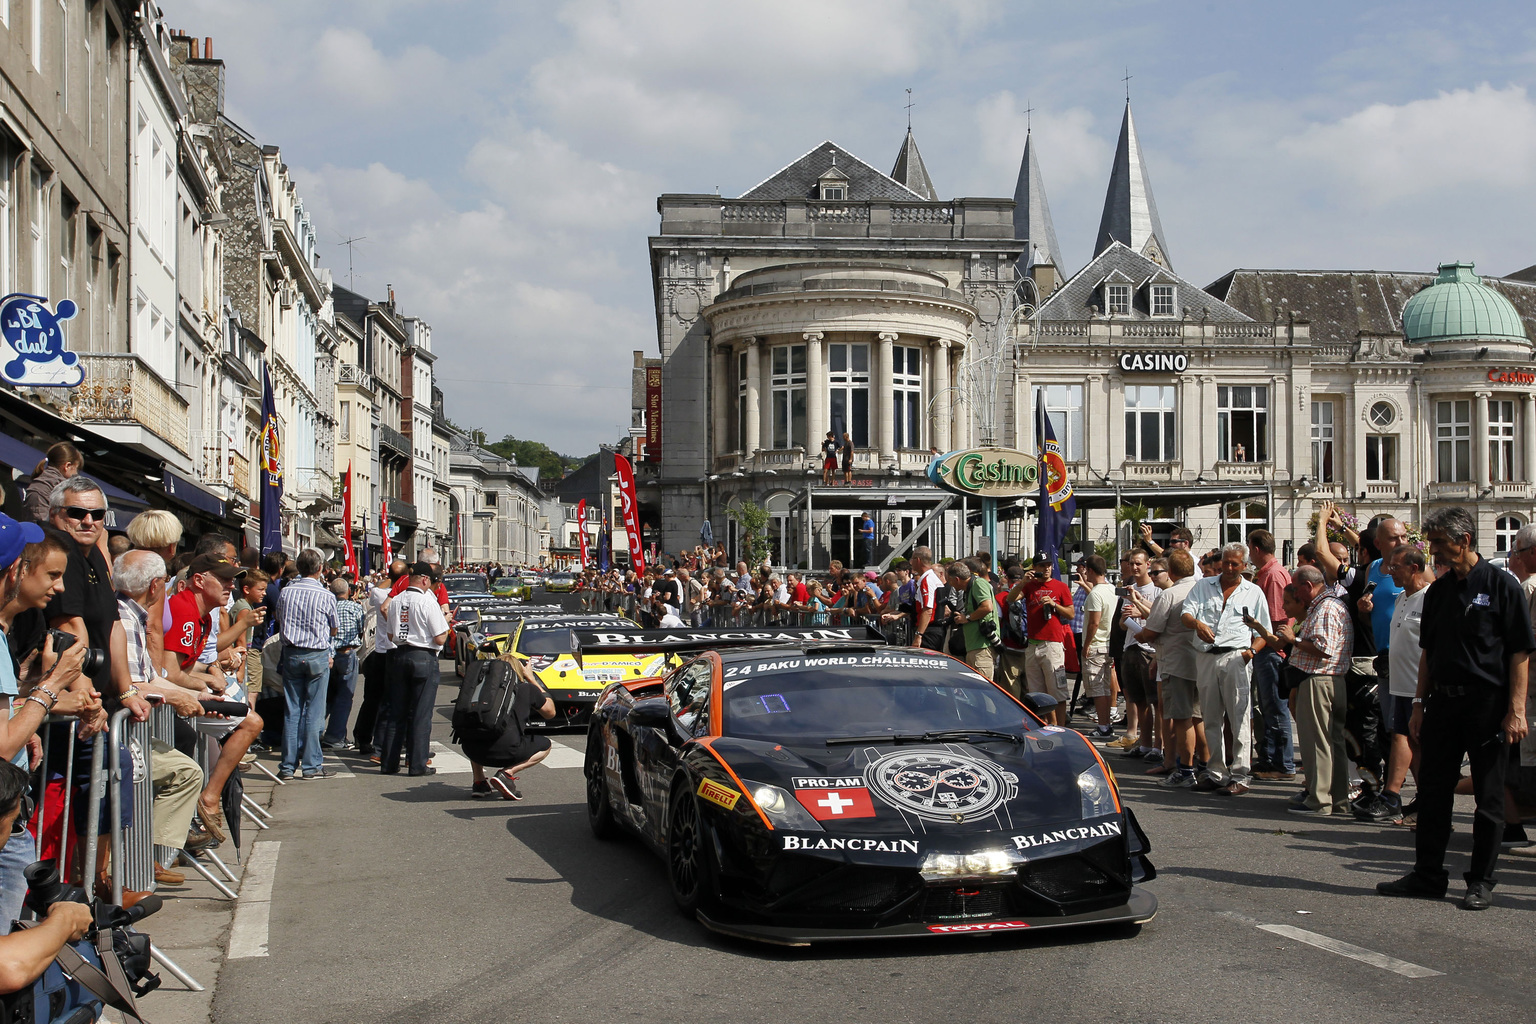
(529, 699)
(1098, 613)
(1177, 688)
(1048, 611)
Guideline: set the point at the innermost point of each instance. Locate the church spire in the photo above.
(1130, 212)
(909, 169)
(1031, 213)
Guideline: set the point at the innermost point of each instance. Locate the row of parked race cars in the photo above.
(815, 784)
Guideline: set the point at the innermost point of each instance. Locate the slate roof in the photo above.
(798, 179)
(1343, 304)
(1130, 212)
(1072, 301)
(909, 170)
(1031, 213)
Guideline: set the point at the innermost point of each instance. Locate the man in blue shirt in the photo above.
(343, 680)
(867, 539)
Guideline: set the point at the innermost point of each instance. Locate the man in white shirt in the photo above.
(1178, 693)
(418, 628)
(1217, 609)
(375, 667)
(928, 584)
(1410, 571)
(1098, 616)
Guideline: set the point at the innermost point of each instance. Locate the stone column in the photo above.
(1480, 468)
(942, 406)
(960, 412)
(880, 384)
(752, 416)
(1528, 437)
(815, 397)
(765, 404)
(719, 369)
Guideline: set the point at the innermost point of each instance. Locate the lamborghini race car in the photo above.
(817, 790)
(560, 583)
(573, 678)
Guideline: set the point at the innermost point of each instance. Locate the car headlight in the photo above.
(983, 864)
(1098, 794)
(782, 809)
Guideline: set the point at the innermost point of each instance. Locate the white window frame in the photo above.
(1064, 407)
(1504, 530)
(1323, 450)
(37, 35)
(1228, 423)
(1117, 298)
(64, 55)
(1501, 440)
(7, 220)
(40, 177)
(741, 399)
(1240, 520)
(1453, 440)
(907, 395)
(788, 395)
(1161, 299)
(1146, 406)
(845, 387)
(1381, 458)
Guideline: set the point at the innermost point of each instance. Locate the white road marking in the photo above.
(253, 914)
(449, 762)
(562, 755)
(1365, 956)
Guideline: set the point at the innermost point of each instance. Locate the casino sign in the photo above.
(986, 472)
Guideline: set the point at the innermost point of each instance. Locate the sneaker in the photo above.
(323, 773)
(1373, 809)
(1137, 752)
(506, 785)
(1411, 886)
(1153, 756)
(481, 791)
(1116, 715)
(1298, 800)
(1514, 835)
(1184, 779)
(1316, 812)
(285, 776)
(1102, 732)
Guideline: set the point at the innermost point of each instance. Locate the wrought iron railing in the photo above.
(121, 388)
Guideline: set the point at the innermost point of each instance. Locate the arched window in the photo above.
(1504, 533)
(1242, 518)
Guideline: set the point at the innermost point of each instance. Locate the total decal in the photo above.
(1103, 830)
(979, 926)
(942, 785)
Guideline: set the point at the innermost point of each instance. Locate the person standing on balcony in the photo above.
(61, 462)
(829, 449)
(847, 458)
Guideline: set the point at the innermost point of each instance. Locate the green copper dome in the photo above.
(1459, 305)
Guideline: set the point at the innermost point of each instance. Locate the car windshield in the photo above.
(464, 614)
(816, 697)
(545, 641)
(464, 584)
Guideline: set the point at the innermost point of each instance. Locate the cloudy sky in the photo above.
(503, 159)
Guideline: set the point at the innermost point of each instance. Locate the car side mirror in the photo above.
(652, 714)
(1042, 704)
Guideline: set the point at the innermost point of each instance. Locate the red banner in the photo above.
(389, 552)
(653, 414)
(629, 505)
(581, 529)
(346, 523)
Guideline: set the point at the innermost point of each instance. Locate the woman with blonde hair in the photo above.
(156, 530)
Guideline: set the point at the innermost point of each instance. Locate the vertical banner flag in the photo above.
(604, 546)
(389, 552)
(1056, 508)
(581, 529)
(630, 506)
(271, 455)
(346, 523)
(367, 551)
(653, 414)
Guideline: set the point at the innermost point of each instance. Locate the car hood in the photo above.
(925, 789)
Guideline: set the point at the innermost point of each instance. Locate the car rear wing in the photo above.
(592, 641)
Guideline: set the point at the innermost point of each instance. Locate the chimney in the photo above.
(391, 295)
(208, 48)
(192, 48)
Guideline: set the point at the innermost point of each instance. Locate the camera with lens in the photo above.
(109, 966)
(95, 658)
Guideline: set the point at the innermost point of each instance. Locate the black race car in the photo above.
(820, 790)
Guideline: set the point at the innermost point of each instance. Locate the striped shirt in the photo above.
(1327, 628)
(307, 609)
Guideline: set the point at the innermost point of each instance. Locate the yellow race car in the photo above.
(574, 679)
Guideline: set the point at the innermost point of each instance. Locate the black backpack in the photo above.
(484, 720)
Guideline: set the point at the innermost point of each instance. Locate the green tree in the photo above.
(752, 520)
(552, 465)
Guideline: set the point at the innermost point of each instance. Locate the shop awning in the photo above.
(189, 493)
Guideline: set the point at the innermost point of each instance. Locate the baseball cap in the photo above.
(1041, 560)
(426, 569)
(15, 536)
(224, 570)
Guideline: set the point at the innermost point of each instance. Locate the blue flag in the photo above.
(604, 545)
(1055, 508)
(270, 454)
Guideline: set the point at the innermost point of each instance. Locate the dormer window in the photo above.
(832, 186)
(1117, 299)
(1162, 300)
(833, 193)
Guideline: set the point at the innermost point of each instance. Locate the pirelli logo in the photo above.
(715, 793)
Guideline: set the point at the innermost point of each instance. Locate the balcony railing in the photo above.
(350, 373)
(1457, 491)
(220, 462)
(120, 388)
(312, 481)
(392, 438)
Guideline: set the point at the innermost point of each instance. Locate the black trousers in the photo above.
(412, 688)
(374, 673)
(1362, 720)
(1453, 726)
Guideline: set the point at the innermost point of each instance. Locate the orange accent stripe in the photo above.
(717, 694)
(708, 744)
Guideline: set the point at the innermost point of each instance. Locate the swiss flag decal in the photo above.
(836, 804)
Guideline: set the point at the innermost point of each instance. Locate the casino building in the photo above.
(832, 296)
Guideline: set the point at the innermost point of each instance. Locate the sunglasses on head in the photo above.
(82, 514)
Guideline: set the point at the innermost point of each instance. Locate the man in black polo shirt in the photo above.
(1476, 636)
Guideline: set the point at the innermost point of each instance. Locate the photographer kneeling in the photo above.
(26, 954)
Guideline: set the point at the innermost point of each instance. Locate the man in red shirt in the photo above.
(1275, 757)
(208, 581)
(1048, 610)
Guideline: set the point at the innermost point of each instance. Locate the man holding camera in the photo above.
(25, 955)
(1049, 612)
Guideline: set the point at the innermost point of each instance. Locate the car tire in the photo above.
(687, 856)
(599, 809)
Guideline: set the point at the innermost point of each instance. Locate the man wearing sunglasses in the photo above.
(87, 607)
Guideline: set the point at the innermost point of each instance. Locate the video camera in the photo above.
(110, 965)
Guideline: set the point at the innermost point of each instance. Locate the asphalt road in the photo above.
(401, 900)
